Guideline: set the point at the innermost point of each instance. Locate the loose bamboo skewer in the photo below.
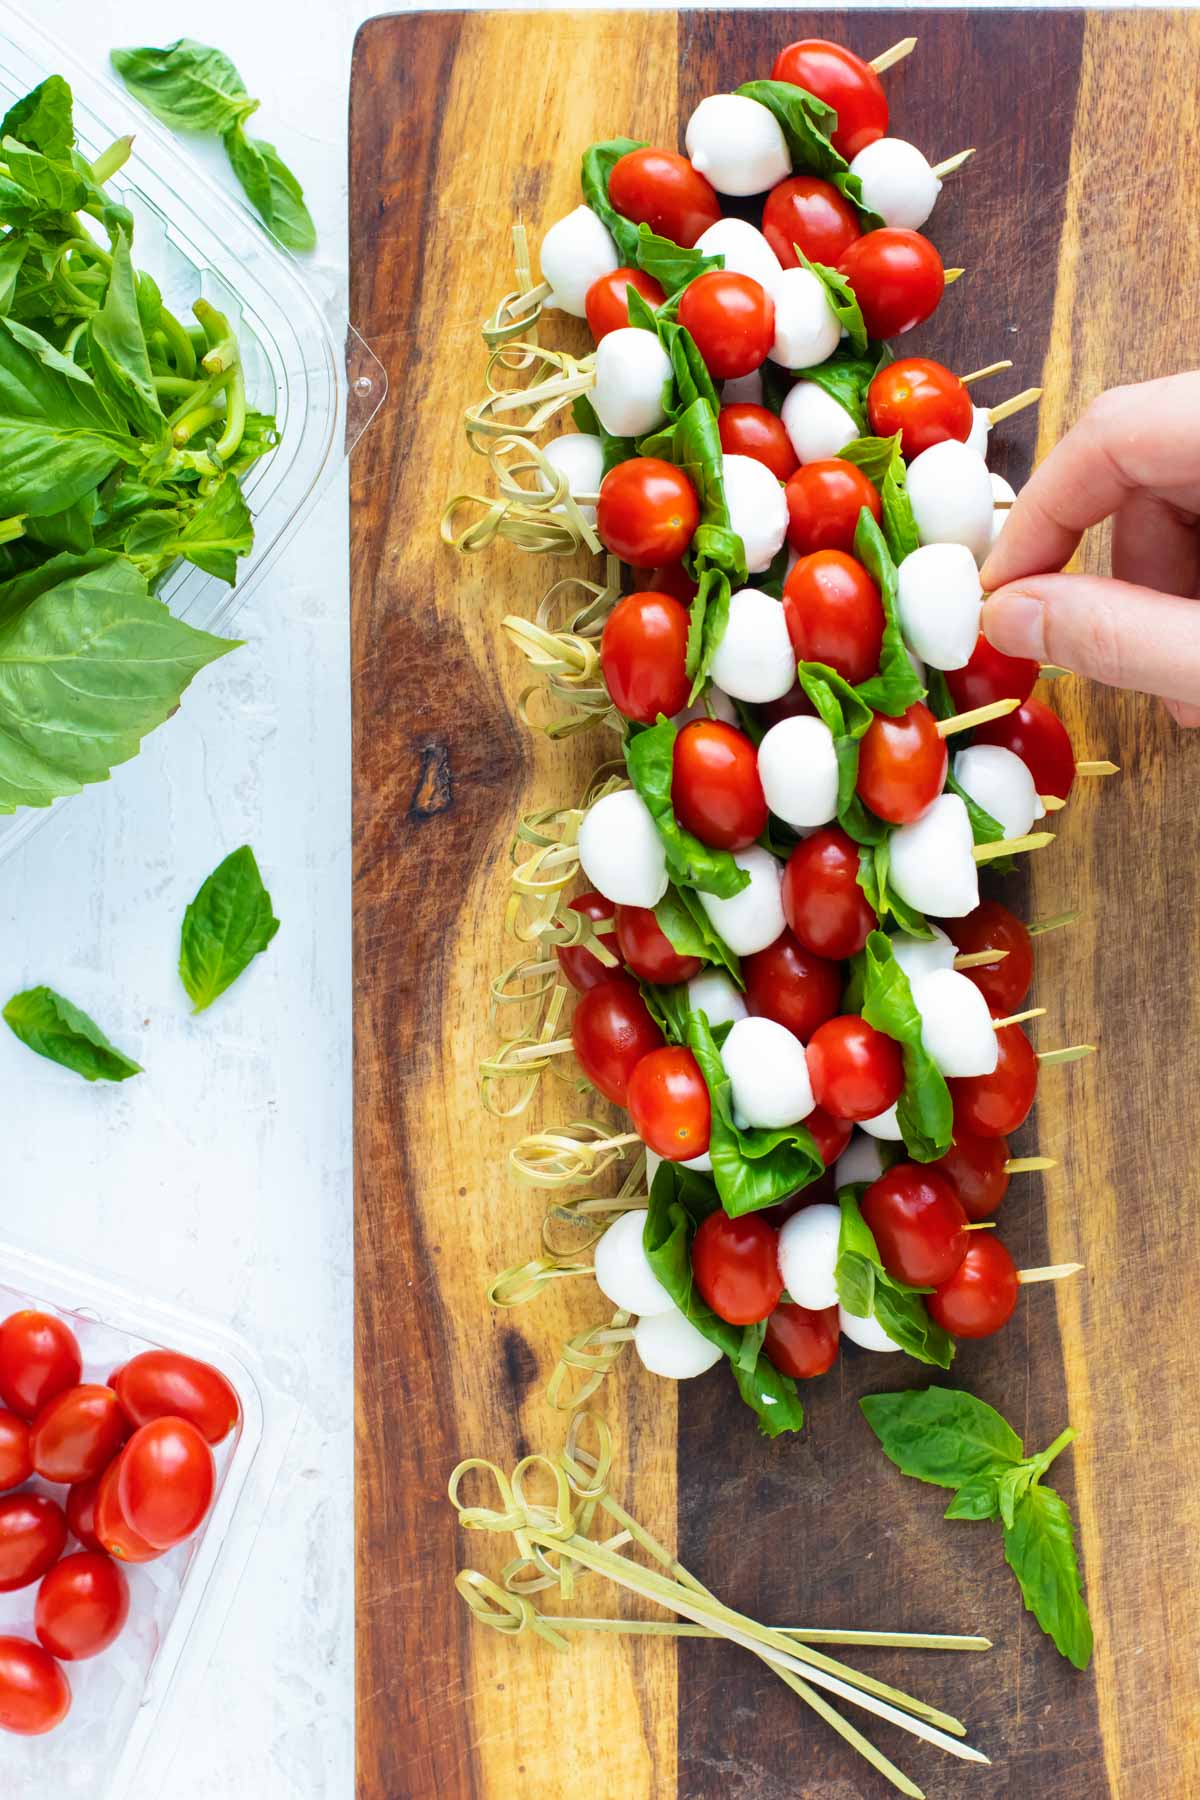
(887, 59)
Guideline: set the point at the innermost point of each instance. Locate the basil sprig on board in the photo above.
(753, 1167)
(650, 760)
(953, 1440)
(52, 1027)
(867, 1290)
(808, 125)
(924, 1111)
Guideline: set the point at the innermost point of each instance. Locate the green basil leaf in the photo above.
(227, 925)
(873, 865)
(924, 1111)
(669, 264)
(71, 529)
(58, 438)
(52, 1027)
(942, 1435)
(50, 181)
(897, 686)
(838, 704)
(13, 251)
(843, 302)
(211, 531)
(689, 930)
(873, 455)
(43, 118)
(596, 169)
(984, 829)
(120, 359)
(1012, 1487)
(1039, 1547)
(650, 759)
(978, 1498)
(867, 1290)
(906, 1319)
(845, 376)
(752, 1167)
(708, 620)
(669, 1007)
(187, 85)
(616, 449)
(938, 699)
(272, 189)
(807, 124)
(746, 1359)
(858, 1266)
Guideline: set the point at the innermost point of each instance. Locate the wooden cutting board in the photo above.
(1076, 224)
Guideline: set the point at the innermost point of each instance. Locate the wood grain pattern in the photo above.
(1076, 224)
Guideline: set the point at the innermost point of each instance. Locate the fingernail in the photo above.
(1015, 622)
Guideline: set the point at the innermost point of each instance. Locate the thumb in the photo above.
(1113, 631)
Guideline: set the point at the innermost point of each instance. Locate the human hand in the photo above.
(1134, 456)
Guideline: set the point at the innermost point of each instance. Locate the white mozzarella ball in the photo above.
(1001, 490)
(621, 852)
(816, 424)
(746, 252)
(768, 1073)
(921, 956)
(752, 919)
(940, 601)
(737, 144)
(579, 458)
(632, 370)
(884, 1125)
(798, 768)
(754, 660)
(575, 252)
(712, 993)
(897, 182)
(806, 326)
(932, 866)
(758, 509)
(712, 703)
(1001, 783)
(808, 1248)
(981, 426)
(861, 1160)
(670, 1345)
(868, 1334)
(623, 1272)
(951, 496)
(956, 1026)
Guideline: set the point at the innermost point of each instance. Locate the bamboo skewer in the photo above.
(887, 59)
(1103, 767)
(952, 163)
(1070, 1053)
(1021, 1165)
(951, 276)
(1051, 1272)
(978, 715)
(1032, 1012)
(988, 369)
(1017, 403)
(1035, 840)
(979, 959)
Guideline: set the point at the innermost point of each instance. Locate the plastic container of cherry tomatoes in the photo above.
(116, 1742)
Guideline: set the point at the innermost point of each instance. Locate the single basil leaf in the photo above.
(226, 926)
(890, 904)
(752, 1167)
(669, 264)
(942, 1435)
(858, 1266)
(984, 829)
(1012, 1487)
(683, 921)
(752, 1342)
(58, 438)
(897, 686)
(873, 455)
(13, 251)
(899, 525)
(842, 301)
(583, 414)
(837, 703)
(924, 1110)
(120, 359)
(976, 1499)
(650, 759)
(845, 376)
(938, 699)
(706, 627)
(187, 85)
(807, 124)
(905, 1318)
(51, 182)
(599, 161)
(43, 118)
(1039, 1548)
(669, 1008)
(52, 1027)
(71, 529)
(272, 189)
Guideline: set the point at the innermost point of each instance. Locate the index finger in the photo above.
(1131, 438)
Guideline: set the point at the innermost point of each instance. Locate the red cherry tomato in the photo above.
(902, 764)
(1039, 738)
(845, 82)
(829, 1134)
(918, 1224)
(981, 1295)
(77, 1434)
(824, 500)
(166, 1479)
(111, 1528)
(669, 1104)
(611, 1032)
(643, 651)
(161, 1384)
(990, 675)
(16, 1465)
(975, 1167)
(822, 901)
(715, 787)
(922, 400)
(648, 952)
(802, 1343)
(647, 511)
(735, 1265)
(82, 1606)
(834, 614)
(990, 926)
(33, 1533)
(660, 188)
(897, 277)
(995, 1105)
(672, 579)
(807, 211)
(732, 319)
(38, 1359)
(792, 985)
(81, 1512)
(607, 300)
(582, 969)
(755, 432)
(35, 1695)
(856, 1072)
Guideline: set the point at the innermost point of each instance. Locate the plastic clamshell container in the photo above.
(116, 1742)
(302, 360)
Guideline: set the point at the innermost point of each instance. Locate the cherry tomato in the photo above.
(1039, 738)
(990, 926)
(735, 1265)
(834, 614)
(648, 952)
(166, 1479)
(647, 511)
(918, 1224)
(607, 300)
(161, 1383)
(582, 969)
(672, 579)
(82, 1606)
(842, 80)
(981, 1295)
(35, 1695)
(897, 277)
(792, 985)
(33, 1533)
(660, 188)
(856, 1072)
(81, 1512)
(990, 675)
(824, 500)
(922, 400)
(732, 319)
(669, 1104)
(822, 901)
(715, 787)
(807, 211)
(110, 1526)
(902, 764)
(611, 1032)
(802, 1343)
(643, 650)
(16, 1465)
(975, 1167)
(829, 1134)
(995, 1105)
(38, 1359)
(756, 432)
(77, 1434)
